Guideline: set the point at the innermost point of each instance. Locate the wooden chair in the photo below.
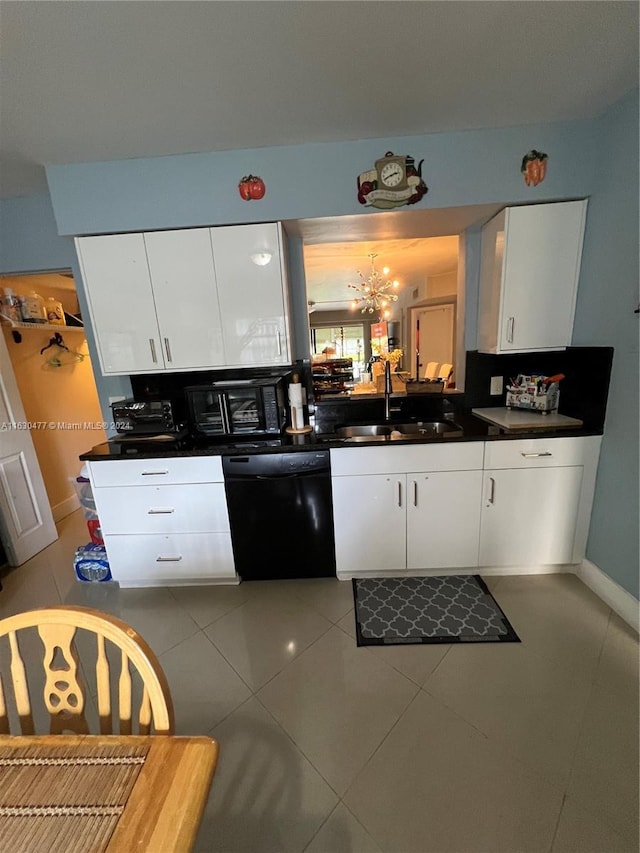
(445, 372)
(431, 371)
(63, 694)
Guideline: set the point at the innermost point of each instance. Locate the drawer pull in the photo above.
(153, 473)
(399, 493)
(160, 511)
(492, 490)
(536, 455)
(415, 493)
(169, 559)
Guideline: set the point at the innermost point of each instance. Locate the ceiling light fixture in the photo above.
(261, 259)
(374, 293)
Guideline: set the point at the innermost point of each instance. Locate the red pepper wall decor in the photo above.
(534, 167)
(395, 180)
(251, 188)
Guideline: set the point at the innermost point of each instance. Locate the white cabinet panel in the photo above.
(369, 521)
(199, 508)
(145, 472)
(252, 299)
(529, 276)
(529, 516)
(443, 519)
(186, 298)
(170, 560)
(539, 452)
(404, 458)
(120, 297)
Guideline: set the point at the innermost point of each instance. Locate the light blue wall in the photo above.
(29, 239)
(607, 297)
(308, 181)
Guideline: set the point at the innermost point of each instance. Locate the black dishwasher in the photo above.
(281, 514)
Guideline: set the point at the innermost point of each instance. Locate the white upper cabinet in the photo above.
(186, 298)
(120, 296)
(529, 273)
(251, 280)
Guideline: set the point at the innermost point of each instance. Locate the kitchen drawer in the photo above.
(539, 452)
(156, 560)
(195, 508)
(143, 472)
(406, 458)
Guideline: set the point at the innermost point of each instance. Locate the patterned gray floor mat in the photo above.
(447, 609)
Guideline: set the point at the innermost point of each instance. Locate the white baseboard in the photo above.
(622, 602)
(65, 507)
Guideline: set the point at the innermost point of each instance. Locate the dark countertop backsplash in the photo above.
(583, 391)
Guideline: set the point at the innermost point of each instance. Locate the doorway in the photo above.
(56, 385)
(433, 330)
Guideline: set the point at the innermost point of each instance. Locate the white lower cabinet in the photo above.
(163, 523)
(537, 499)
(410, 519)
(443, 519)
(529, 516)
(369, 518)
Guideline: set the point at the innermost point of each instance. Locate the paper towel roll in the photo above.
(295, 405)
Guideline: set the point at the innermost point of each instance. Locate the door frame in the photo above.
(413, 312)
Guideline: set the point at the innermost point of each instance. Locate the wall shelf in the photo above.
(8, 323)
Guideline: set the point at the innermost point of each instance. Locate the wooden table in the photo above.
(112, 793)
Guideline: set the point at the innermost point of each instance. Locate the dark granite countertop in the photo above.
(473, 428)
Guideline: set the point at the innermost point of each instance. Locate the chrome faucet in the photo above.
(387, 390)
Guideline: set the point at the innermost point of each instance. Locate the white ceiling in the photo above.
(88, 81)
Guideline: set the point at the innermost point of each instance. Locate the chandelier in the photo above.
(374, 291)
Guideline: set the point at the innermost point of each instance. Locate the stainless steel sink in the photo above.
(426, 429)
(365, 432)
(400, 432)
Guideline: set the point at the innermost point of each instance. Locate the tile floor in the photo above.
(328, 748)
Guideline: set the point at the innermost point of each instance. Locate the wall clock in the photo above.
(394, 181)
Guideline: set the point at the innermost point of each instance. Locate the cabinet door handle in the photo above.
(510, 325)
(169, 559)
(492, 490)
(160, 511)
(415, 493)
(152, 344)
(279, 342)
(399, 493)
(167, 348)
(536, 455)
(153, 473)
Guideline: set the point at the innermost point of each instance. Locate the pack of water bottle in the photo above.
(91, 563)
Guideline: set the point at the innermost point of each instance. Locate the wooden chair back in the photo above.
(431, 370)
(64, 695)
(445, 372)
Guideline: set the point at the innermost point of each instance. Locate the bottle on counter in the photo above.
(55, 312)
(33, 310)
(10, 306)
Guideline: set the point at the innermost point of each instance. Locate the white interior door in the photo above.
(26, 522)
(436, 335)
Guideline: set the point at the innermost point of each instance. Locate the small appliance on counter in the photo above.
(239, 407)
(145, 417)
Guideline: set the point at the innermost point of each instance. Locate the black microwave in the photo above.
(235, 407)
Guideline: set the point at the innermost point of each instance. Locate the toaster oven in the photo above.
(144, 417)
